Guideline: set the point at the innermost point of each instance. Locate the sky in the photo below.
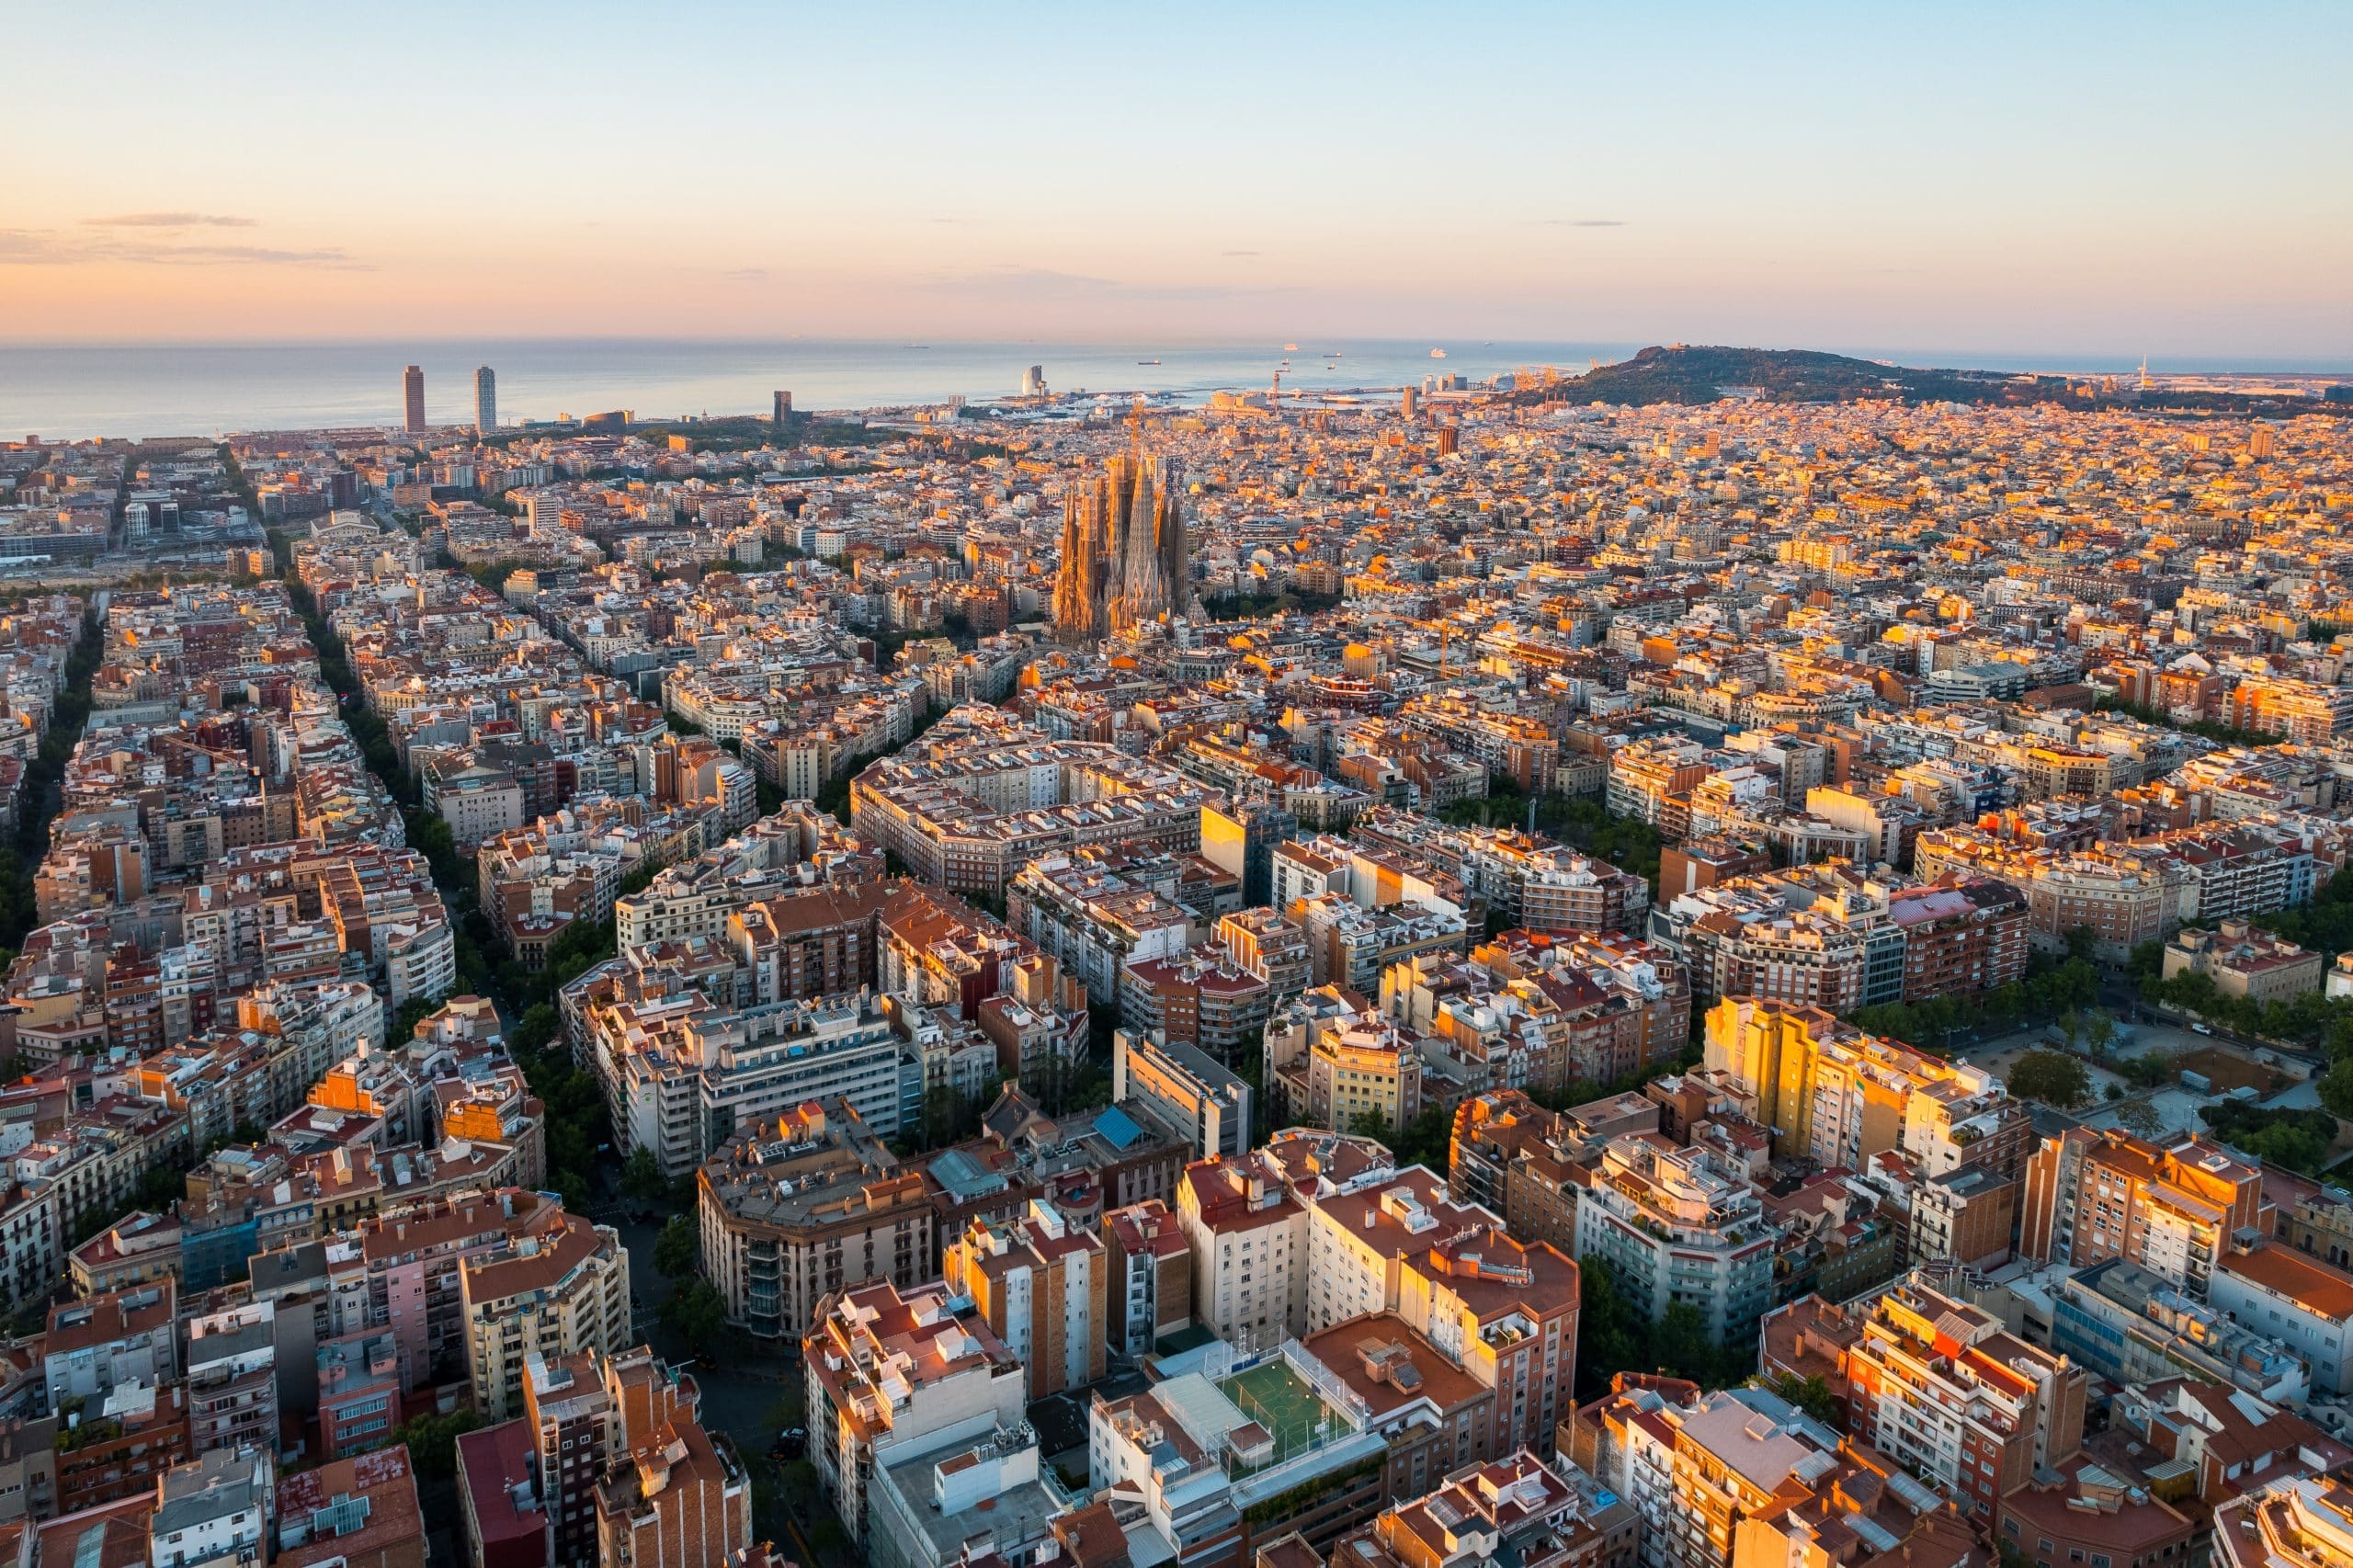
(2175, 181)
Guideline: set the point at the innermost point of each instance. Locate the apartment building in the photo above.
(1837, 1095)
(1183, 1091)
(1359, 1239)
(1149, 1266)
(1248, 1236)
(1081, 911)
(1941, 1387)
(1333, 1062)
(1678, 1227)
(794, 1209)
(1044, 1287)
(2096, 1195)
(1204, 998)
(1696, 1467)
(2304, 1303)
(559, 1290)
(1505, 1313)
(890, 1374)
(1515, 1507)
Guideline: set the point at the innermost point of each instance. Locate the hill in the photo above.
(1692, 374)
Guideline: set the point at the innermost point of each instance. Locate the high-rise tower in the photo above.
(1126, 556)
(413, 395)
(486, 400)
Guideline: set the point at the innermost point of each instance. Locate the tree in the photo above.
(1809, 1394)
(697, 1314)
(2100, 1030)
(1611, 1338)
(433, 1440)
(642, 1178)
(414, 1011)
(2337, 1088)
(2081, 943)
(1680, 1346)
(679, 1247)
(2051, 1076)
(2071, 1024)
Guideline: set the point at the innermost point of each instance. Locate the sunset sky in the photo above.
(2169, 179)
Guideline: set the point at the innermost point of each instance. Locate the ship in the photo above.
(1290, 347)
(1437, 353)
(1147, 361)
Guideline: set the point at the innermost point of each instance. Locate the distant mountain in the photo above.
(1685, 373)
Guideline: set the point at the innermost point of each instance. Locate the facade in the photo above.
(1359, 1237)
(2244, 962)
(1125, 558)
(2304, 1303)
(1248, 1236)
(1941, 1387)
(1507, 1315)
(1149, 1269)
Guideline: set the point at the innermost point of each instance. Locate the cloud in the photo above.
(1009, 282)
(1584, 223)
(47, 248)
(169, 220)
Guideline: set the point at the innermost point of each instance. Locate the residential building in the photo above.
(797, 1208)
(1149, 1269)
(892, 1374)
(2091, 1196)
(559, 1290)
(1678, 1227)
(1042, 1285)
(1182, 1090)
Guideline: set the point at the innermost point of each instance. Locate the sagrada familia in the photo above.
(1125, 558)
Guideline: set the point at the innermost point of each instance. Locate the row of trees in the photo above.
(2224, 734)
(1580, 822)
(38, 801)
(574, 1103)
(2051, 989)
(1615, 1336)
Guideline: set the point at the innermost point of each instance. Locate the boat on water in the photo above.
(1147, 361)
(1290, 347)
(1437, 353)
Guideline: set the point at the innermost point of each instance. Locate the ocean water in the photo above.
(77, 391)
(73, 390)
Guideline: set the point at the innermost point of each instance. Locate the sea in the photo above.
(77, 391)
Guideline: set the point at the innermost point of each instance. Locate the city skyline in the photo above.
(2170, 181)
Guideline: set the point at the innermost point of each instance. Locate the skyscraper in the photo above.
(486, 400)
(413, 392)
(1126, 558)
(783, 408)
